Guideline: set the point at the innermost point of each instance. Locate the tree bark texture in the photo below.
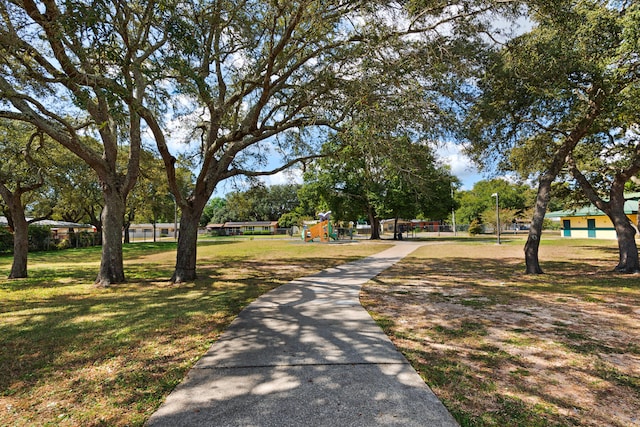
(20, 226)
(628, 262)
(185, 270)
(111, 263)
(535, 232)
(375, 224)
(20, 246)
(625, 231)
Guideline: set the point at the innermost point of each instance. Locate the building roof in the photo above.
(50, 223)
(150, 225)
(251, 224)
(630, 207)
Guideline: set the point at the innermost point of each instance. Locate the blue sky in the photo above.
(450, 154)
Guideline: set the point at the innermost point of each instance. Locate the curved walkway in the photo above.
(307, 354)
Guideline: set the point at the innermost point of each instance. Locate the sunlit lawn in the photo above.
(74, 354)
(504, 349)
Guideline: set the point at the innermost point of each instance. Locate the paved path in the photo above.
(307, 354)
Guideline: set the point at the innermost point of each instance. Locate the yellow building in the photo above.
(590, 222)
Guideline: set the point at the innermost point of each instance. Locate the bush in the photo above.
(6, 240)
(551, 225)
(64, 244)
(86, 239)
(475, 227)
(39, 237)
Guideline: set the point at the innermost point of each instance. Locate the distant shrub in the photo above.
(86, 239)
(475, 227)
(6, 240)
(63, 244)
(551, 225)
(39, 237)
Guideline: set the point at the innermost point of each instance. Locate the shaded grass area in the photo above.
(504, 349)
(74, 354)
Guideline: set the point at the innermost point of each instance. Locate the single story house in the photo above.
(60, 230)
(233, 228)
(388, 225)
(146, 232)
(591, 222)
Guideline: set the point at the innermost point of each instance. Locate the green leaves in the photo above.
(543, 84)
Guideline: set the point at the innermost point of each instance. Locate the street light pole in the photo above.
(497, 214)
(175, 219)
(453, 215)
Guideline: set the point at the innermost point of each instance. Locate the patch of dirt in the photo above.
(500, 349)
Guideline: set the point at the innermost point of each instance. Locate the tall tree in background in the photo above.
(603, 181)
(76, 190)
(260, 203)
(22, 171)
(380, 178)
(547, 90)
(475, 202)
(150, 199)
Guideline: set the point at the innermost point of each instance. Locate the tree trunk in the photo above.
(535, 232)
(614, 209)
(112, 218)
(629, 262)
(18, 223)
(20, 246)
(395, 228)
(625, 231)
(375, 224)
(127, 237)
(185, 270)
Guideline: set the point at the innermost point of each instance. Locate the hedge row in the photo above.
(40, 239)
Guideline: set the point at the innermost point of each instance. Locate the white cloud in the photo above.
(461, 165)
(292, 176)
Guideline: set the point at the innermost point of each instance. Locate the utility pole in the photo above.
(497, 214)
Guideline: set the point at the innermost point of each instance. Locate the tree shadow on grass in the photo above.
(114, 352)
(147, 335)
(483, 333)
(590, 273)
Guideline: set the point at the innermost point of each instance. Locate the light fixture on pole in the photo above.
(497, 214)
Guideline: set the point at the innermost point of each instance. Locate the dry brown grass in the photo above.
(501, 348)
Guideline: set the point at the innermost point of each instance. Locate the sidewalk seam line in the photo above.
(301, 364)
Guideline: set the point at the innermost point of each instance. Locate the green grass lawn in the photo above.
(501, 348)
(498, 347)
(74, 354)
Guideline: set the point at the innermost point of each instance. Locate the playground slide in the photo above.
(322, 230)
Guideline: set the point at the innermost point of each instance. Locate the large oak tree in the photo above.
(255, 81)
(24, 155)
(75, 69)
(546, 91)
(241, 82)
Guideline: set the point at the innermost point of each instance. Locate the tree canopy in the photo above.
(543, 93)
(244, 88)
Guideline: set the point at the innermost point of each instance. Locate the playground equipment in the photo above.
(322, 230)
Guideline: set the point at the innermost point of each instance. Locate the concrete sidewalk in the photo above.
(307, 354)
